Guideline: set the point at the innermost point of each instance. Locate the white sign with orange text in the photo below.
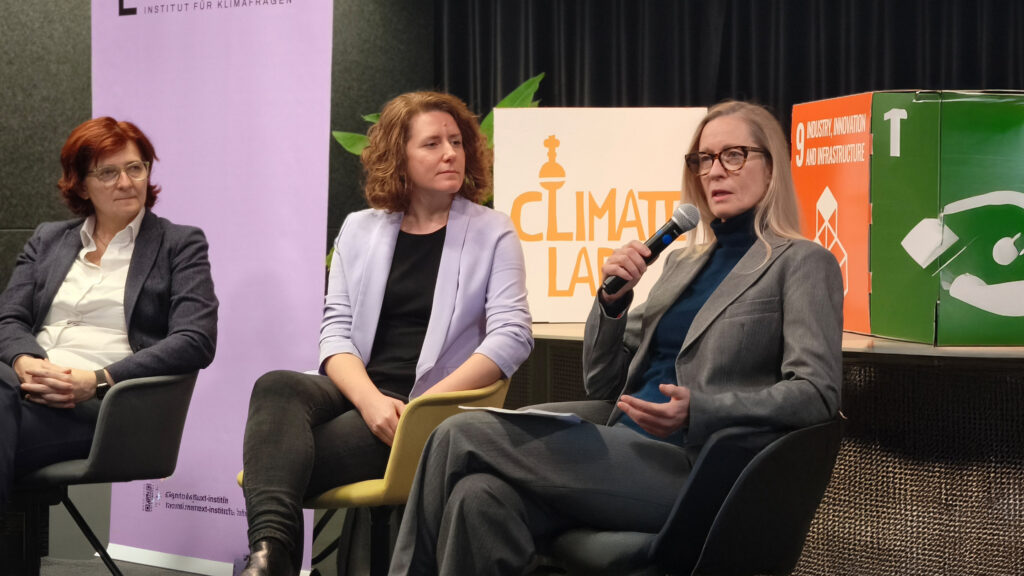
(580, 182)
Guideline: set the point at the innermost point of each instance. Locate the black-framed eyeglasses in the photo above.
(732, 159)
(109, 174)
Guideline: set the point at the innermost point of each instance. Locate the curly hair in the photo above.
(384, 161)
(89, 142)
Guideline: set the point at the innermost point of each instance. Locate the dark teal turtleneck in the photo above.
(733, 238)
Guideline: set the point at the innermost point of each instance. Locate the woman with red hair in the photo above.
(114, 294)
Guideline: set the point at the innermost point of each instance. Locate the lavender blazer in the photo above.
(479, 300)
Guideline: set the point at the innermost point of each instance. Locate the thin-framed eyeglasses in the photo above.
(732, 159)
(136, 171)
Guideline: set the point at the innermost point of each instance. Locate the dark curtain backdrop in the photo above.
(695, 53)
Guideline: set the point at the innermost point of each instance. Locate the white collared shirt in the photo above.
(85, 327)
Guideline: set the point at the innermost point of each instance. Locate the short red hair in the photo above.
(90, 141)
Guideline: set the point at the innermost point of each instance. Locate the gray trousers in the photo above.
(490, 486)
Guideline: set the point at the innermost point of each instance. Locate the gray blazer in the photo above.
(764, 350)
(169, 304)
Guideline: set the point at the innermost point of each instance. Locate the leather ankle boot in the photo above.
(269, 558)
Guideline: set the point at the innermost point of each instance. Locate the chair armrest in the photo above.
(721, 460)
(139, 429)
(772, 503)
(419, 419)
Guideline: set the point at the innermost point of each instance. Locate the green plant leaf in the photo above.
(351, 141)
(372, 118)
(521, 97)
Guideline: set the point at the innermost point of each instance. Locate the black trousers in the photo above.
(33, 435)
(302, 438)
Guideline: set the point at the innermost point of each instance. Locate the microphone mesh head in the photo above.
(686, 216)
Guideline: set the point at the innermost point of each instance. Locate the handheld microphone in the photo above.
(684, 218)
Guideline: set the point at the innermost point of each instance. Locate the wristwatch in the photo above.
(102, 384)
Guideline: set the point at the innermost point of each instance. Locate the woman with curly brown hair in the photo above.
(426, 294)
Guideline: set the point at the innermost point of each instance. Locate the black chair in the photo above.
(138, 433)
(745, 509)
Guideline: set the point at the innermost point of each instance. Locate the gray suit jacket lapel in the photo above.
(147, 246)
(675, 278)
(751, 267)
(664, 294)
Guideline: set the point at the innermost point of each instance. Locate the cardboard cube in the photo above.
(921, 197)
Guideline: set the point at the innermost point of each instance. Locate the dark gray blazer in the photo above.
(764, 350)
(169, 304)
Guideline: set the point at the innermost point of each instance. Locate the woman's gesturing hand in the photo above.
(660, 420)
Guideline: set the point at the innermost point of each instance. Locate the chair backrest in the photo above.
(419, 419)
(138, 433)
(763, 522)
(139, 429)
(721, 460)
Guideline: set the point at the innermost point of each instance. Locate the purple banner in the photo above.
(235, 95)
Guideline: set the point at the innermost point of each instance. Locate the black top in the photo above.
(405, 312)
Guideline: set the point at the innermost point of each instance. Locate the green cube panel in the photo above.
(904, 191)
(947, 194)
(982, 197)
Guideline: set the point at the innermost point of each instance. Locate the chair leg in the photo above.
(380, 540)
(318, 529)
(36, 516)
(84, 527)
(22, 531)
(342, 559)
